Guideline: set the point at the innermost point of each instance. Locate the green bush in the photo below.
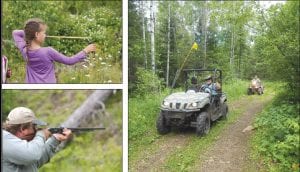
(277, 138)
(235, 88)
(147, 83)
(142, 114)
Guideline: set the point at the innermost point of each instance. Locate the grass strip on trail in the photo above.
(184, 159)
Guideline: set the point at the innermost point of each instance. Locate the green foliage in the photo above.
(143, 114)
(147, 82)
(141, 122)
(277, 138)
(103, 156)
(48, 105)
(99, 20)
(278, 46)
(258, 41)
(235, 88)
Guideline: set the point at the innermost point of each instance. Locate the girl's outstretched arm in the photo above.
(18, 36)
(58, 57)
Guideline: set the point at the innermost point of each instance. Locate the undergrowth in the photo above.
(276, 142)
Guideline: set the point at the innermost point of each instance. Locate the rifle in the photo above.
(60, 129)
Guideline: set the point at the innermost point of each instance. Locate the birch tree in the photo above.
(168, 53)
(152, 28)
(144, 33)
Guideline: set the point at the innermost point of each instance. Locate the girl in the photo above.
(40, 60)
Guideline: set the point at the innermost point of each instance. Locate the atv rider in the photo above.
(195, 87)
(256, 80)
(209, 87)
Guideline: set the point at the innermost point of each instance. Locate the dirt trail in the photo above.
(230, 152)
(227, 153)
(152, 160)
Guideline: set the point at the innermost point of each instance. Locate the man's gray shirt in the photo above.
(23, 156)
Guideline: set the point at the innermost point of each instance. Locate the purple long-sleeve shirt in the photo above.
(40, 62)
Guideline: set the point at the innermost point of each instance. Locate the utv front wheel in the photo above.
(161, 126)
(249, 92)
(203, 124)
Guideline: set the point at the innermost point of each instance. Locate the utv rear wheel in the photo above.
(203, 124)
(161, 126)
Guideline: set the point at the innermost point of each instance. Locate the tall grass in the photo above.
(235, 89)
(141, 120)
(100, 68)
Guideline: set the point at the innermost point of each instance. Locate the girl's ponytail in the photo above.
(31, 27)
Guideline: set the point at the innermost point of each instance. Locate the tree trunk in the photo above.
(144, 34)
(232, 44)
(205, 33)
(82, 116)
(92, 103)
(232, 51)
(152, 36)
(168, 53)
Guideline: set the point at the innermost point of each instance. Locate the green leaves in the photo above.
(278, 135)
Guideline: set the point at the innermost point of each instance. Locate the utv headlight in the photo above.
(194, 104)
(165, 103)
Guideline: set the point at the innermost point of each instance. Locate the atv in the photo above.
(255, 87)
(195, 108)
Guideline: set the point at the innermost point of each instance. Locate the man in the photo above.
(25, 149)
(210, 87)
(257, 80)
(194, 84)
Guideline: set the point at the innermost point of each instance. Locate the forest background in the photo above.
(243, 39)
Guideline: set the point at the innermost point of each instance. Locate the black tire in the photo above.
(249, 92)
(203, 124)
(161, 126)
(225, 111)
(259, 91)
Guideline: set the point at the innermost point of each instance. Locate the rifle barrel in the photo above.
(86, 129)
(68, 37)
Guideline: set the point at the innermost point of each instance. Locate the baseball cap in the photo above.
(21, 115)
